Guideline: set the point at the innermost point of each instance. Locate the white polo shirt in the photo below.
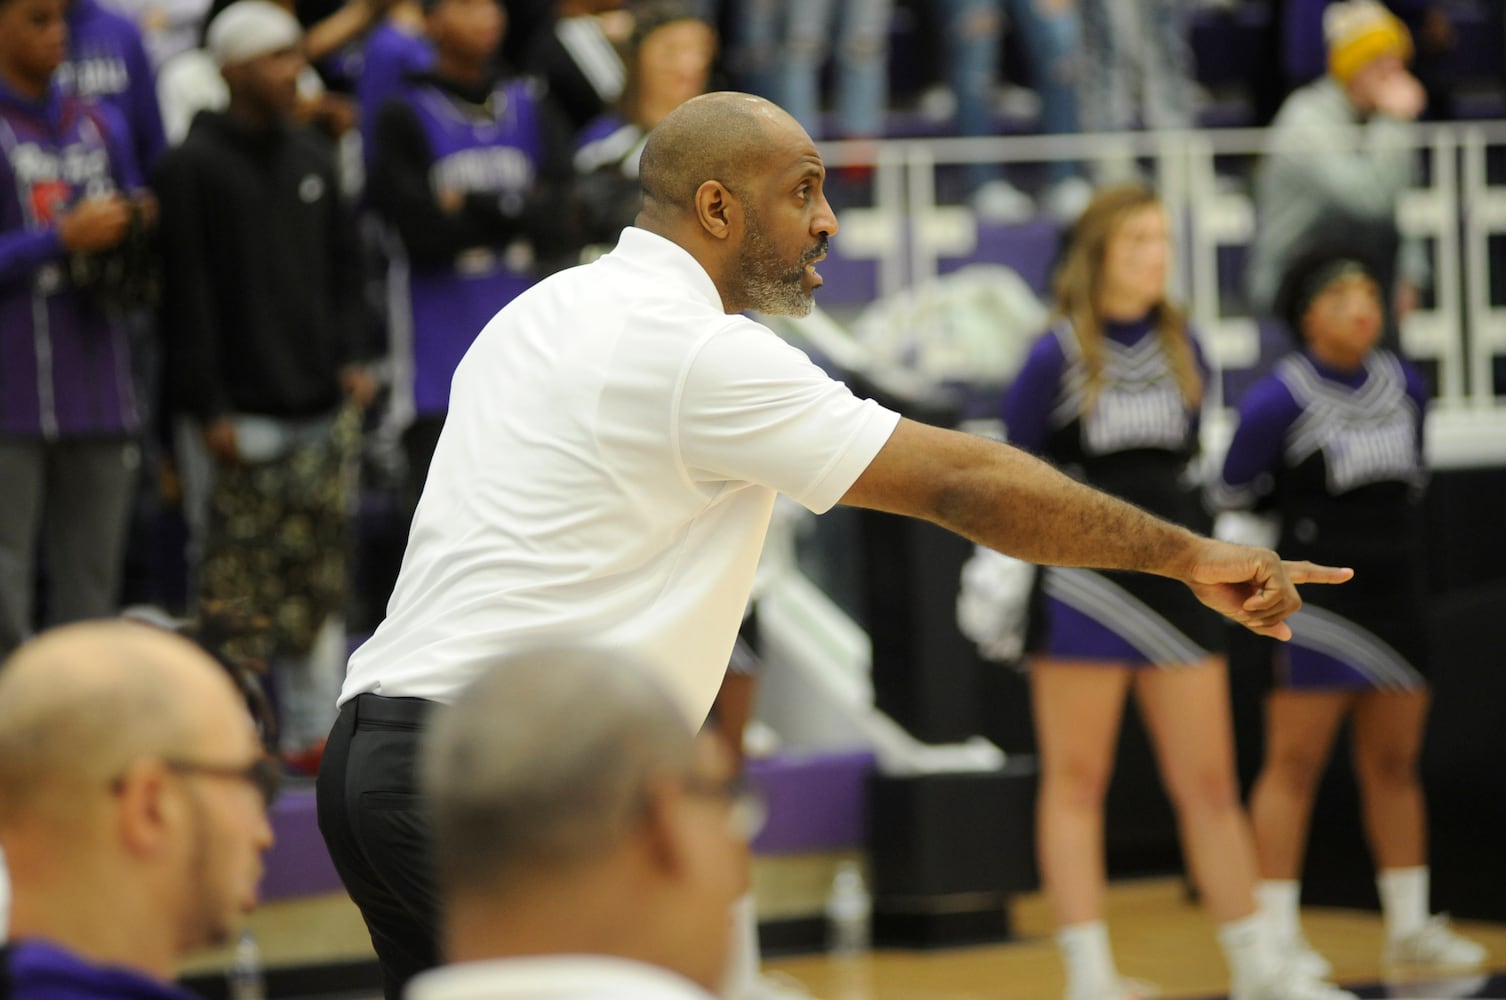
(605, 476)
(553, 977)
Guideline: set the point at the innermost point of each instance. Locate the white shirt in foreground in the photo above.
(562, 977)
(613, 448)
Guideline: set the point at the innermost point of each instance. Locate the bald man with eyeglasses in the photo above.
(133, 810)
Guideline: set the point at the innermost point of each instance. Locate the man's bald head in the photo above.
(723, 136)
(80, 703)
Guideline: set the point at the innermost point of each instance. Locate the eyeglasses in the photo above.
(264, 774)
(749, 809)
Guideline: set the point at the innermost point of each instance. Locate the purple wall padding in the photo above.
(297, 864)
(817, 802)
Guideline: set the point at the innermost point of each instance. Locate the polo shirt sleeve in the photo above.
(751, 408)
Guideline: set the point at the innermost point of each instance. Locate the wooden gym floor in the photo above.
(1158, 936)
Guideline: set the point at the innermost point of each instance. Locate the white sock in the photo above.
(1087, 956)
(743, 959)
(1280, 901)
(1247, 948)
(1404, 899)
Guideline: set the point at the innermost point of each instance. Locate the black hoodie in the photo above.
(262, 302)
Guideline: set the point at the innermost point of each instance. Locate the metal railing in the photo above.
(1203, 178)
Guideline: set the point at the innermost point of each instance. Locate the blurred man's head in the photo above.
(33, 42)
(575, 813)
(1358, 32)
(258, 46)
(133, 795)
(669, 59)
(466, 33)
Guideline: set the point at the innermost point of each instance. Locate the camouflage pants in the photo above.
(278, 538)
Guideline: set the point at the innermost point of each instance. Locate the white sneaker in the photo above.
(1305, 958)
(1289, 983)
(999, 201)
(1065, 200)
(1436, 945)
(1124, 988)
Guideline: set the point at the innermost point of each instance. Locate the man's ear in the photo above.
(666, 828)
(717, 209)
(145, 811)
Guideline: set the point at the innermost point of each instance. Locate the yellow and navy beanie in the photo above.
(1360, 31)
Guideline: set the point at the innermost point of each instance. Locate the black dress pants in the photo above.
(377, 832)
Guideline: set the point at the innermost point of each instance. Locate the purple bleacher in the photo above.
(1227, 44)
(298, 863)
(817, 801)
(1027, 248)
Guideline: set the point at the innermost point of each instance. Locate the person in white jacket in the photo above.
(1338, 160)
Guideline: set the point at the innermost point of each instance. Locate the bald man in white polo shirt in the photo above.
(615, 441)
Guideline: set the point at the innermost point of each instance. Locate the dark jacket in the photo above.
(262, 302)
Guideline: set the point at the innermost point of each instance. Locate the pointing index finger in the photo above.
(1306, 572)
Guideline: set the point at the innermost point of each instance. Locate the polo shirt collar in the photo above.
(642, 246)
(544, 977)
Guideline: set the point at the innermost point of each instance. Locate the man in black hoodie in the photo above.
(264, 327)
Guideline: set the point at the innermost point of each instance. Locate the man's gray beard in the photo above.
(767, 286)
(778, 297)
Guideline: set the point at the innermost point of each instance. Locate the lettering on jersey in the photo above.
(1359, 453)
(1126, 418)
(49, 178)
(487, 169)
(95, 75)
(1367, 434)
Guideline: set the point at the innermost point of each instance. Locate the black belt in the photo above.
(399, 711)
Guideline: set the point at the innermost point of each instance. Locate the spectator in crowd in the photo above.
(617, 437)
(191, 81)
(472, 172)
(1431, 24)
(70, 198)
(397, 48)
(782, 50)
(577, 54)
(133, 810)
(108, 62)
(1330, 444)
(669, 59)
(1136, 64)
(1049, 31)
(1339, 157)
(1113, 394)
(266, 335)
(605, 864)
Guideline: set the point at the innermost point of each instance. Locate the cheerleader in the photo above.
(1331, 443)
(1111, 394)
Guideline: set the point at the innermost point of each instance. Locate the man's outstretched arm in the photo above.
(1001, 497)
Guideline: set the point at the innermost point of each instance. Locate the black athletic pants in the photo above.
(378, 835)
